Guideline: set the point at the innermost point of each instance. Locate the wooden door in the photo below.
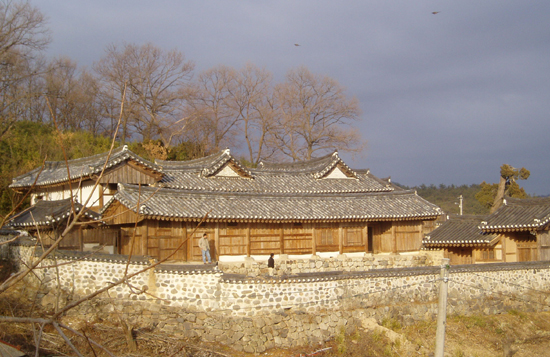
(527, 251)
(370, 239)
(130, 240)
(353, 239)
(544, 245)
(326, 237)
(298, 238)
(265, 238)
(194, 252)
(171, 248)
(232, 239)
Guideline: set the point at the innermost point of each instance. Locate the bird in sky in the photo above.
(296, 44)
(435, 12)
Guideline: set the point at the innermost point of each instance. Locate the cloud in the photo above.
(446, 98)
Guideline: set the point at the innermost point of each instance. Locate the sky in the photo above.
(446, 98)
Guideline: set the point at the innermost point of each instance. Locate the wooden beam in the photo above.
(282, 239)
(313, 240)
(80, 240)
(394, 237)
(216, 241)
(340, 238)
(145, 237)
(365, 237)
(189, 245)
(248, 239)
(101, 188)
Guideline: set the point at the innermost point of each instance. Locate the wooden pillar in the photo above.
(116, 241)
(340, 238)
(248, 239)
(394, 237)
(313, 240)
(145, 237)
(503, 242)
(365, 237)
(80, 240)
(282, 239)
(100, 187)
(217, 241)
(188, 244)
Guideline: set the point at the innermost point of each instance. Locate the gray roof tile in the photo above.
(55, 172)
(301, 177)
(190, 204)
(458, 230)
(48, 213)
(519, 215)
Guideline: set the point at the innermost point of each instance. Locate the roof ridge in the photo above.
(126, 187)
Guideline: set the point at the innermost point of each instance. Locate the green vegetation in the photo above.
(446, 197)
(490, 195)
(27, 145)
(477, 199)
(391, 324)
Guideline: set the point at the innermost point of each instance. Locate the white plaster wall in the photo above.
(81, 192)
(88, 191)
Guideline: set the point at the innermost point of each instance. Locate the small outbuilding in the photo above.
(516, 232)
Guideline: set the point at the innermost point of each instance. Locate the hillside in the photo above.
(446, 197)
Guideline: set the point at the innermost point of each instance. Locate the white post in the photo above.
(442, 308)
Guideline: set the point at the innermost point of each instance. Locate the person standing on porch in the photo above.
(204, 245)
(271, 264)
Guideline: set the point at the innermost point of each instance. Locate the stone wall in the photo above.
(340, 262)
(255, 311)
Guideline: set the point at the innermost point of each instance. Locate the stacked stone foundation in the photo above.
(256, 312)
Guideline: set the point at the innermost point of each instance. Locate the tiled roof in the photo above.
(55, 172)
(318, 167)
(457, 231)
(282, 183)
(303, 177)
(206, 166)
(194, 205)
(46, 213)
(519, 215)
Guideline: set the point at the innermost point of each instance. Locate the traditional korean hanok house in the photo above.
(320, 206)
(46, 220)
(52, 182)
(51, 188)
(516, 232)
(463, 242)
(523, 225)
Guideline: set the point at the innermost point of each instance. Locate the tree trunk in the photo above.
(500, 195)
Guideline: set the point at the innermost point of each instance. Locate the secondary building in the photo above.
(516, 232)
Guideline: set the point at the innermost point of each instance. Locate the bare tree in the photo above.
(253, 98)
(213, 108)
(73, 97)
(156, 84)
(22, 36)
(314, 115)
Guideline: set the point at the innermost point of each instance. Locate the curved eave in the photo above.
(448, 244)
(462, 243)
(214, 218)
(48, 224)
(195, 188)
(514, 228)
(94, 171)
